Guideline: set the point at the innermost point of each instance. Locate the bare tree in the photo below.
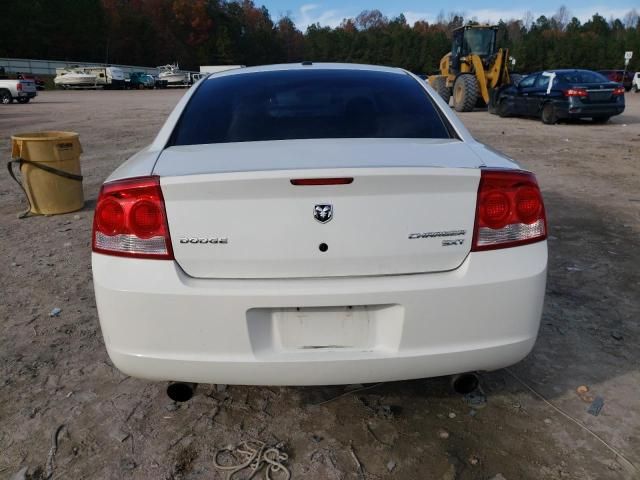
(561, 17)
(371, 19)
(456, 19)
(527, 20)
(631, 19)
(514, 30)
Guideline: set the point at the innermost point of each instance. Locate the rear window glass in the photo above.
(298, 104)
(582, 76)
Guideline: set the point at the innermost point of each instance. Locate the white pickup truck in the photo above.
(20, 90)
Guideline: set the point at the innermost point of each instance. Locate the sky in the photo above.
(331, 12)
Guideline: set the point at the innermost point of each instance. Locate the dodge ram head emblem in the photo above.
(323, 213)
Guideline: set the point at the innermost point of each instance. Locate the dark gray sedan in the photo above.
(562, 94)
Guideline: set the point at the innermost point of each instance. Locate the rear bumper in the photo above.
(27, 94)
(160, 324)
(582, 110)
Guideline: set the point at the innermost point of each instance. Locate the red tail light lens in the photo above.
(109, 219)
(509, 210)
(321, 181)
(576, 92)
(528, 204)
(19, 86)
(145, 218)
(618, 91)
(131, 221)
(495, 209)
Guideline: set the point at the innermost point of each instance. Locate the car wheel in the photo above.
(601, 119)
(5, 97)
(636, 88)
(23, 100)
(549, 116)
(465, 93)
(503, 108)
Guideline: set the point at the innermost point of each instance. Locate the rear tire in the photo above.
(548, 115)
(440, 86)
(601, 119)
(503, 109)
(5, 97)
(465, 93)
(23, 100)
(636, 89)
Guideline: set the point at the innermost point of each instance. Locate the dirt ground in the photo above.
(58, 387)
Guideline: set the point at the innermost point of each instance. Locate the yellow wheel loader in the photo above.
(474, 69)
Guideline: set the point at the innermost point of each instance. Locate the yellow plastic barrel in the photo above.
(50, 170)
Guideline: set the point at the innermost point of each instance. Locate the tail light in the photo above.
(321, 181)
(19, 86)
(130, 220)
(618, 91)
(576, 92)
(509, 210)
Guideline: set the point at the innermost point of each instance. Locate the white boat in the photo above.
(74, 78)
(172, 74)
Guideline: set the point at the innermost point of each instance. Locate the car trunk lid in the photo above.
(597, 92)
(234, 212)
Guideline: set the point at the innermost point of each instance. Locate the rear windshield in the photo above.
(582, 76)
(299, 104)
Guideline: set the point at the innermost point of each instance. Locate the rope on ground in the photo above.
(358, 464)
(50, 465)
(613, 450)
(254, 455)
(349, 392)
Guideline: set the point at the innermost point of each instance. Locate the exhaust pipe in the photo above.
(181, 391)
(465, 383)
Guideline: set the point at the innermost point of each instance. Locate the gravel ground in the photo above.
(67, 413)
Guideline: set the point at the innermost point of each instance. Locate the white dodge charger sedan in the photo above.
(317, 224)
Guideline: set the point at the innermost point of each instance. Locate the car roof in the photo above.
(567, 70)
(308, 66)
